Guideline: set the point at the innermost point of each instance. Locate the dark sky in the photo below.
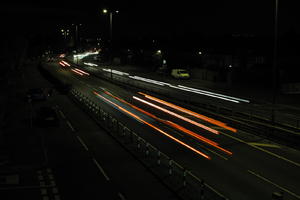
(213, 17)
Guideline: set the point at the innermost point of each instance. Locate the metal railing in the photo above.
(177, 178)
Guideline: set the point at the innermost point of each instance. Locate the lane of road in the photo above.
(241, 165)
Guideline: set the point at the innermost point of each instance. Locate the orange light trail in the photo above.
(154, 127)
(212, 143)
(178, 116)
(197, 115)
(172, 124)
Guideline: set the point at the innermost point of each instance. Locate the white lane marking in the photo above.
(212, 151)
(62, 114)
(70, 125)
(101, 170)
(217, 192)
(265, 145)
(261, 149)
(121, 196)
(82, 143)
(268, 181)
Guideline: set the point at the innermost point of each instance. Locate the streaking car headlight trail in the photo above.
(181, 87)
(152, 126)
(90, 64)
(149, 80)
(115, 72)
(178, 116)
(212, 93)
(184, 110)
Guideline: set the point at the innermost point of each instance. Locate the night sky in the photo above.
(214, 17)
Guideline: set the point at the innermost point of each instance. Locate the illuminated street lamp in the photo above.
(275, 65)
(111, 12)
(77, 37)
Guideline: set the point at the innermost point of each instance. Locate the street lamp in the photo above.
(77, 37)
(275, 65)
(111, 12)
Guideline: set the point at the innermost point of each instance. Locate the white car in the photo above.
(180, 73)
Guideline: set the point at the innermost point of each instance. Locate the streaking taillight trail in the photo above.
(172, 124)
(177, 115)
(152, 126)
(184, 110)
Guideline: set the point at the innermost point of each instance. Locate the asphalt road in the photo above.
(255, 170)
(285, 114)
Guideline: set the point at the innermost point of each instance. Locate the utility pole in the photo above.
(275, 64)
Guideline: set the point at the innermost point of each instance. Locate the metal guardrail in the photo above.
(176, 177)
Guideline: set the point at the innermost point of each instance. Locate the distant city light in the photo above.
(105, 11)
(199, 52)
(230, 66)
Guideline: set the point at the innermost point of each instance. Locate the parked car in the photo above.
(180, 74)
(46, 116)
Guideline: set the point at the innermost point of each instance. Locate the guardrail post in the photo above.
(184, 177)
(202, 189)
(158, 157)
(147, 149)
(124, 131)
(170, 167)
(138, 143)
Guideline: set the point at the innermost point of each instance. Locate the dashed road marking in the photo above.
(213, 152)
(265, 145)
(82, 143)
(268, 181)
(70, 125)
(121, 196)
(62, 114)
(101, 169)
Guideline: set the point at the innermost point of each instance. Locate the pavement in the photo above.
(74, 160)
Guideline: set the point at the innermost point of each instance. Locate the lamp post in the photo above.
(77, 37)
(275, 64)
(111, 12)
